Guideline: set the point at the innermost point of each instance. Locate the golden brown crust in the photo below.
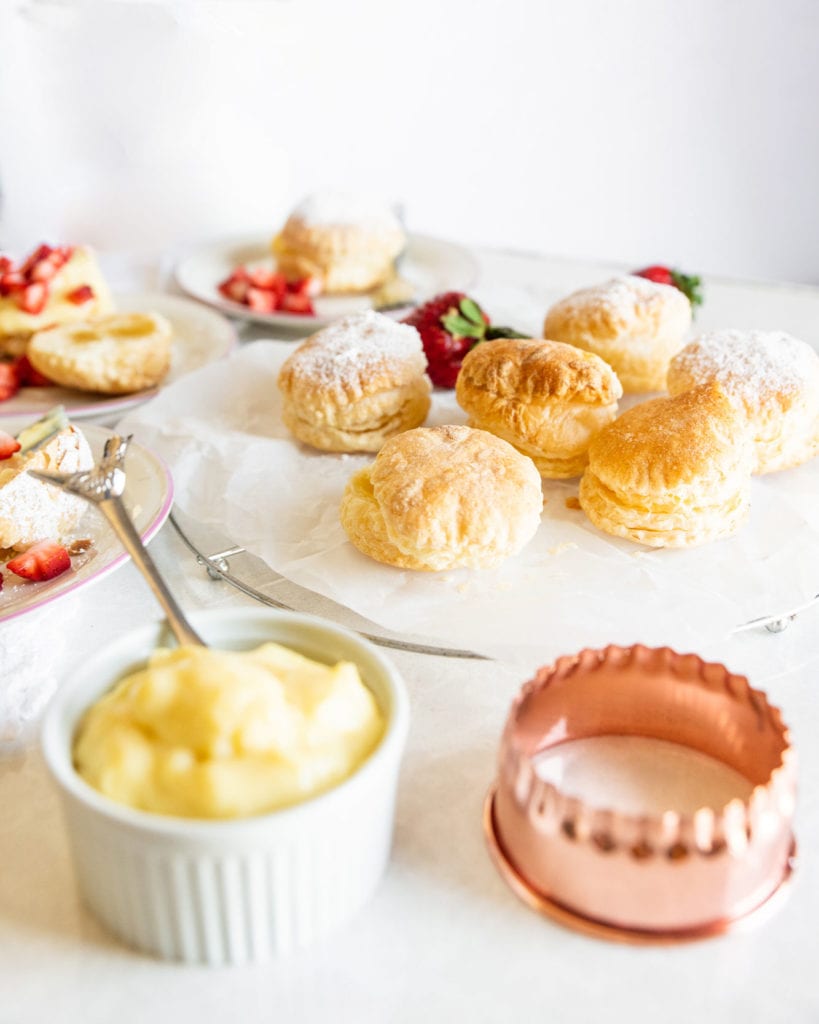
(634, 324)
(546, 398)
(114, 355)
(775, 379)
(354, 384)
(443, 498)
(671, 472)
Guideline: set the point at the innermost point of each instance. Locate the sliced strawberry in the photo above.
(28, 377)
(33, 297)
(301, 304)
(261, 300)
(9, 381)
(12, 281)
(8, 445)
(43, 270)
(264, 277)
(235, 287)
(42, 252)
(305, 286)
(6, 264)
(85, 293)
(42, 561)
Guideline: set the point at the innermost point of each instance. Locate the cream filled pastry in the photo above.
(442, 498)
(632, 323)
(348, 242)
(775, 378)
(546, 398)
(31, 510)
(349, 387)
(671, 472)
(55, 285)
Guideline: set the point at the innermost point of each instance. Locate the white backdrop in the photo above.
(637, 131)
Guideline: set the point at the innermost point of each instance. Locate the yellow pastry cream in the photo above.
(202, 733)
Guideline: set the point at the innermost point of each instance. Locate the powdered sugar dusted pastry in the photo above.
(546, 398)
(352, 385)
(632, 323)
(671, 472)
(442, 498)
(31, 510)
(776, 379)
(349, 242)
(55, 285)
(115, 355)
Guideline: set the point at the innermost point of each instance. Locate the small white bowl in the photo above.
(237, 891)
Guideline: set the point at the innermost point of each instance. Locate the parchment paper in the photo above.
(236, 467)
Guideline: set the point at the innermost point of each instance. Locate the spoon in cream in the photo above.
(103, 486)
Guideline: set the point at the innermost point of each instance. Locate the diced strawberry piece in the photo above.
(42, 252)
(27, 376)
(43, 270)
(264, 277)
(305, 286)
(8, 445)
(85, 293)
(261, 300)
(42, 561)
(9, 381)
(235, 287)
(11, 281)
(33, 297)
(300, 304)
(6, 264)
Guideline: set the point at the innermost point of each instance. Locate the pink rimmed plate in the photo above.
(148, 497)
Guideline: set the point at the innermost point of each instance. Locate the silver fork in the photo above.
(103, 486)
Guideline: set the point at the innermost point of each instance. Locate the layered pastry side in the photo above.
(347, 242)
(632, 323)
(545, 398)
(644, 876)
(775, 379)
(54, 285)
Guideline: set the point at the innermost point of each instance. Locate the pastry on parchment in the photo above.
(671, 472)
(773, 375)
(443, 498)
(546, 398)
(353, 384)
(632, 323)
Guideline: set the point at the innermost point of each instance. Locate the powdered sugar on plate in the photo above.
(751, 364)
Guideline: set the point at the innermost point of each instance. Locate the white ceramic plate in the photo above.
(431, 265)
(199, 336)
(148, 497)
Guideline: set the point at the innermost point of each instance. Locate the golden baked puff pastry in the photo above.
(443, 498)
(632, 323)
(348, 242)
(546, 398)
(773, 375)
(671, 472)
(349, 387)
(114, 355)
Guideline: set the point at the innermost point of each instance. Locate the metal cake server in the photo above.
(103, 486)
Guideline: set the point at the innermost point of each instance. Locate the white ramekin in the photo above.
(238, 891)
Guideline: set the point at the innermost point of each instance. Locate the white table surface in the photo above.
(443, 939)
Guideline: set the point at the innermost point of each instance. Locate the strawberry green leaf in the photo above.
(690, 285)
(472, 311)
(493, 333)
(459, 325)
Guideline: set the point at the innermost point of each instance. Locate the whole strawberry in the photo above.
(689, 284)
(450, 325)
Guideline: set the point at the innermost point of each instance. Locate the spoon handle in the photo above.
(114, 511)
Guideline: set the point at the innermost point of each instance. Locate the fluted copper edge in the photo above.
(663, 876)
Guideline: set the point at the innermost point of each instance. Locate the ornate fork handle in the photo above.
(103, 486)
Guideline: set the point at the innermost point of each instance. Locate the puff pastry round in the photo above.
(348, 242)
(442, 498)
(632, 323)
(773, 375)
(546, 398)
(114, 355)
(671, 472)
(352, 385)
